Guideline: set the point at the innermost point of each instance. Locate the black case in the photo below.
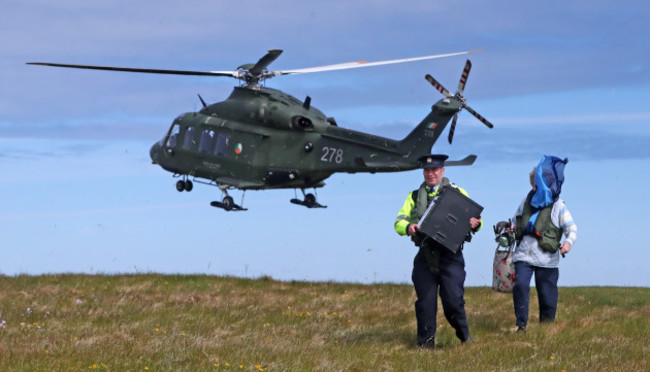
(447, 220)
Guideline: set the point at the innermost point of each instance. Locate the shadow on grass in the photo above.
(382, 337)
(401, 338)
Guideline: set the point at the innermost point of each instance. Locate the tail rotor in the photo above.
(458, 96)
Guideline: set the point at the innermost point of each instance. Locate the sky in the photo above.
(80, 195)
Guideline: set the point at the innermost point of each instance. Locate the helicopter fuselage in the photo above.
(264, 138)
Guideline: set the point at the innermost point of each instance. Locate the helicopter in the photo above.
(261, 138)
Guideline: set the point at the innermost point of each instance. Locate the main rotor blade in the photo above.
(265, 61)
(438, 86)
(453, 128)
(342, 66)
(478, 116)
(463, 77)
(142, 70)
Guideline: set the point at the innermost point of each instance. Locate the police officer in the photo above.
(434, 267)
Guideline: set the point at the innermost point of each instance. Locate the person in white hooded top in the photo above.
(540, 222)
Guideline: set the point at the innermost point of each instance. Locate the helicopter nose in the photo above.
(154, 152)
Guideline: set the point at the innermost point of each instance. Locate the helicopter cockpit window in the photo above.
(173, 136)
(188, 140)
(221, 149)
(206, 144)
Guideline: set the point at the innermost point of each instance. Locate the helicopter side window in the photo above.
(221, 149)
(188, 140)
(173, 136)
(206, 143)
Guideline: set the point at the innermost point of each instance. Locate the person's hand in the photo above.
(474, 222)
(412, 228)
(565, 247)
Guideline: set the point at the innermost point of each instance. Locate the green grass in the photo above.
(207, 323)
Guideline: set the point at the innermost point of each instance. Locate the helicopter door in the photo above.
(221, 149)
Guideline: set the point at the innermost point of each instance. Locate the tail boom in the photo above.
(424, 136)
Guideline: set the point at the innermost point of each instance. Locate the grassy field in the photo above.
(206, 323)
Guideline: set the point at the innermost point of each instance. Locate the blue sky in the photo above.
(79, 192)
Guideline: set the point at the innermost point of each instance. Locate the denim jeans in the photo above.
(547, 293)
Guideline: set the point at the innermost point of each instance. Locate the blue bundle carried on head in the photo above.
(549, 178)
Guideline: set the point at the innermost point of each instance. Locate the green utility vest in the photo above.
(421, 199)
(548, 235)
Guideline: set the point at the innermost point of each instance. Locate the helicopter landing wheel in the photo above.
(228, 203)
(180, 185)
(310, 200)
(189, 185)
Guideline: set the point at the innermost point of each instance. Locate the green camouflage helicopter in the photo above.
(261, 138)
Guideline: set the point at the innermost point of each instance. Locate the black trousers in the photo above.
(449, 280)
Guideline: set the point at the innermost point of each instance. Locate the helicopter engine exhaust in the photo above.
(301, 122)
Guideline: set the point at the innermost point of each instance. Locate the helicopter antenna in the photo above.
(202, 101)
